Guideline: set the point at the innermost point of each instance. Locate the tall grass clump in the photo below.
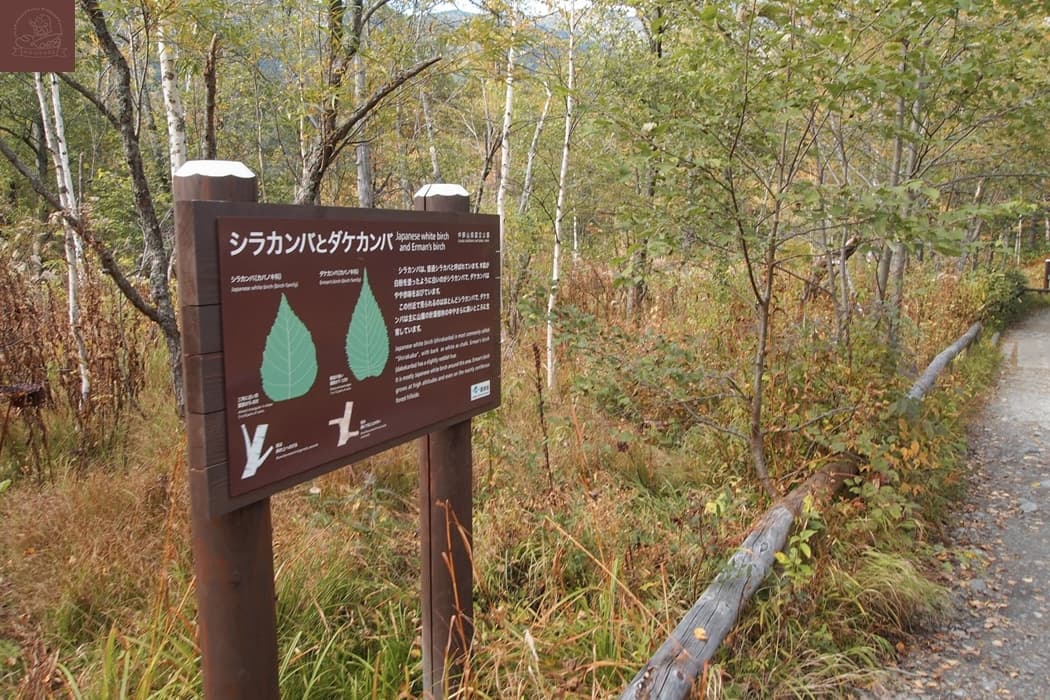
(37, 348)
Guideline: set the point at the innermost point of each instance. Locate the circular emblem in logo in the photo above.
(38, 34)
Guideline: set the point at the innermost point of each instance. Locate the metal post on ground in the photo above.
(1046, 274)
(445, 502)
(232, 553)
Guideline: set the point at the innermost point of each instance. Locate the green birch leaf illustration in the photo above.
(289, 362)
(367, 339)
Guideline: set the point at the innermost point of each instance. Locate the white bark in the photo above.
(559, 211)
(504, 149)
(55, 132)
(174, 112)
(1017, 243)
(530, 159)
(365, 192)
(55, 136)
(428, 126)
(846, 288)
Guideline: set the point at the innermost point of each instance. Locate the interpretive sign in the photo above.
(347, 331)
(312, 337)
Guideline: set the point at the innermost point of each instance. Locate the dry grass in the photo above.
(575, 584)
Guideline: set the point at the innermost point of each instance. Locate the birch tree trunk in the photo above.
(889, 255)
(55, 135)
(365, 192)
(489, 146)
(530, 158)
(173, 109)
(973, 231)
(504, 150)
(845, 310)
(575, 240)
(1017, 242)
(559, 211)
(428, 126)
(893, 269)
(402, 157)
(428, 123)
(363, 150)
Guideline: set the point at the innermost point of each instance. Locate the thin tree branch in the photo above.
(34, 181)
(803, 426)
(372, 10)
(339, 138)
(92, 98)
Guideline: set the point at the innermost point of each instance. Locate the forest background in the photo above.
(732, 233)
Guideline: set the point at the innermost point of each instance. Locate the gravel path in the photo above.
(998, 643)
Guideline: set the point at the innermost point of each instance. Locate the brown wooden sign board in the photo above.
(318, 336)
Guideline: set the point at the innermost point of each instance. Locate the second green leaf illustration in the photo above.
(367, 339)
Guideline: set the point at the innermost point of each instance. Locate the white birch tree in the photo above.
(504, 166)
(175, 114)
(365, 191)
(530, 157)
(428, 126)
(563, 182)
(55, 135)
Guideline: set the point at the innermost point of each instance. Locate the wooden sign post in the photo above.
(232, 552)
(314, 337)
(446, 531)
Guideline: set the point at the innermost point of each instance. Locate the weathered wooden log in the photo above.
(672, 672)
(925, 381)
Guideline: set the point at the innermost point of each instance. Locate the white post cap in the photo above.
(441, 190)
(214, 168)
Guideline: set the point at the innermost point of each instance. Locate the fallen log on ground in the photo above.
(673, 671)
(925, 381)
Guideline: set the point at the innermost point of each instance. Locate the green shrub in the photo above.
(1002, 292)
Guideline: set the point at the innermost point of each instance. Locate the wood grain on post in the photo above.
(446, 502)
(233, 553)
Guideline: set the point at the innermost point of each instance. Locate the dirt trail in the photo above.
(998, 643)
